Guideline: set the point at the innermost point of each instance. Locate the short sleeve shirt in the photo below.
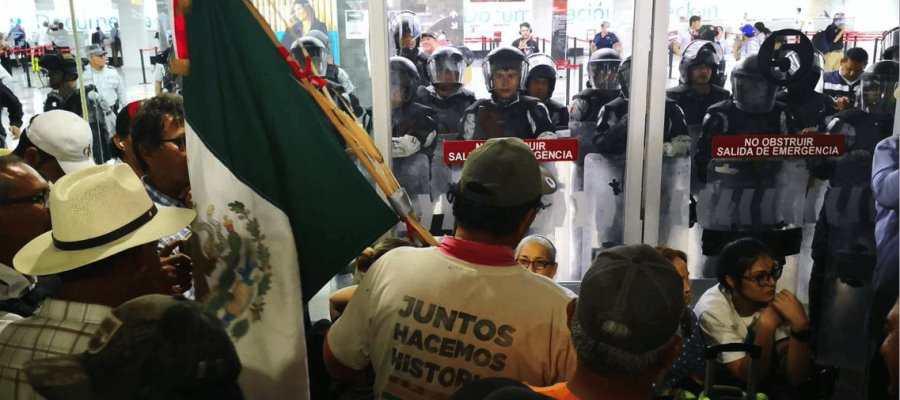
(429, 322)
(721, 323)
(605, 42)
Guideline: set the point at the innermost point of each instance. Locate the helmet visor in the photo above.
(752, 93)
(877, 95)
(603, 74)
(316, 58)
(500, 69)
(446, 69)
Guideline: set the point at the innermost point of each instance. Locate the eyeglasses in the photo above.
(179, 142)
(761, 278)
(42, 199)
(536, 265)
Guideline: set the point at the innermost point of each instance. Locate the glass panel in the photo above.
(814, 210)
(491, 54)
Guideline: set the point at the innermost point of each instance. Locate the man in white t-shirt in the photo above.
(686, 36)
(429, 320)
(744, 307)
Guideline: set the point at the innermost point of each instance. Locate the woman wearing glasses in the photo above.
(745, 307)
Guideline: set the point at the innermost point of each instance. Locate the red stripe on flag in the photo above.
(181, 50)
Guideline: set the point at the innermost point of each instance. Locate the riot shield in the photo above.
(604, 185)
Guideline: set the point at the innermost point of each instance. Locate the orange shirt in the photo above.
(558, 391)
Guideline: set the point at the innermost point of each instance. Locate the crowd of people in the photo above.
(95, 211)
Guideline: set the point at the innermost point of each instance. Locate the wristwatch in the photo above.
(802, 336)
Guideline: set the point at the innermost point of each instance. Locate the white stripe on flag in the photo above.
(265, 325)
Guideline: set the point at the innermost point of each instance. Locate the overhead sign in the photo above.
(545, 150)
(777, 146)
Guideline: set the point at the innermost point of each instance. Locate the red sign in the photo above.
(545, 150)
(777, 146)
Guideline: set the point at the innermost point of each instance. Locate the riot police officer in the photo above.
(741, 197)
(317, 52)
(333, 72)
(446, 94)
(811, 109)
(844, 247)
(604, 88)
(413, 125)
(507, 112)
(413, 129)
(696, 92)
(406, 28)
(612, 123)
(891, 42)
(540, 82)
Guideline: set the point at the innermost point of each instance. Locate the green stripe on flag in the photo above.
(243, 102)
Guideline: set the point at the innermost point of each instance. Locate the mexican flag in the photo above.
(281, 207)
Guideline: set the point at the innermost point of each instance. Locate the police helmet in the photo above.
(623, 76)
(65, 62)
(812, 81)
(541, 66)
(446, 66)
(316, 51)
(707, 32)
(404, 76)
(504, 57)
(891, 42)
(751, 91)
(405, 22)
(322, 38)
(877, 91)
(602, 68)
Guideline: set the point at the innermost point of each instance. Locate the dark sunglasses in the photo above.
(42, 199)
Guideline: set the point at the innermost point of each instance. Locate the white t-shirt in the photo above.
(721, 323)
(429, 322)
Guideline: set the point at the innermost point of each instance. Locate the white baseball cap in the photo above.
(65, 136)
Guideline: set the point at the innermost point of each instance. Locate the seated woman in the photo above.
(687, 371)
(745, 308)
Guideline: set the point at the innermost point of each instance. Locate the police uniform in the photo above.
(559, 114)
(521, 116)
(448, 110)
(587, 103)
(693, 104)
(602, 69)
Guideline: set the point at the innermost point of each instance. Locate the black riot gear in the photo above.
(316, 50)
(446, 94)
(891, 42)
(810, 108)
(695, 102)
(513, 116)
(406, 28)
(878, 90)
(751, 92)
(501, 58)
(623, 76)
(602, 68)
(404, 77)
(542, 66)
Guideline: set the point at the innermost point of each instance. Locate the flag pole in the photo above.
(84, 109)
(358, 140)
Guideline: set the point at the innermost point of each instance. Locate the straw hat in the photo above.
(97, 212)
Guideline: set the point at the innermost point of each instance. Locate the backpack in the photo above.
(820, 42)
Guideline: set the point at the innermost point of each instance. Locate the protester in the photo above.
(605, 39)
(338, 300)
(158, 144)
(56, 143)
(121, 142)
(103, 259)
(537, 254)
(841, 83)
(475, 295)
(197, 360)
(23, 217)
(745, 301)
(688, 369)
(625, 326)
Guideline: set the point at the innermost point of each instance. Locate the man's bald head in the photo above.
(23, 211)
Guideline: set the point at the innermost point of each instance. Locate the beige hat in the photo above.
(65, 136)
(97, 212)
